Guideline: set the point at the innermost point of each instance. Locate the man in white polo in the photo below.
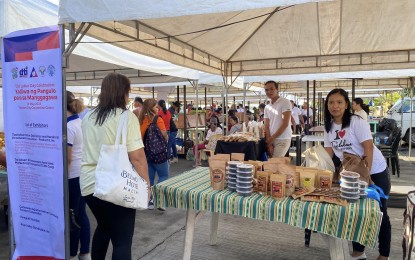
(277, 119)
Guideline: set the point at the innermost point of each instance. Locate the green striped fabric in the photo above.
(359, 222)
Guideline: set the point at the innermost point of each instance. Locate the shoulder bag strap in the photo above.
(122, 129)
(155, 120)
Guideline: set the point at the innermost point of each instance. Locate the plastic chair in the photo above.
(390, 152)
(210, 147)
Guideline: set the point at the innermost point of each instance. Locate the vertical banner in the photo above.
(32, 102)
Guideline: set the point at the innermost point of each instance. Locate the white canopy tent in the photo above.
(257, 37)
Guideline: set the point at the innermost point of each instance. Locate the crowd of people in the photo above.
(280, 118)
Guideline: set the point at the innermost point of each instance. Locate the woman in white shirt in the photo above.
(345, 132)
(360, 108)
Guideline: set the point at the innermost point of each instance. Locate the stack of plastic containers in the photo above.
(349, 186)
(362, 188)
(244, 179)
(232, 172)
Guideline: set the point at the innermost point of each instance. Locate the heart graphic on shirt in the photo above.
(342, 133)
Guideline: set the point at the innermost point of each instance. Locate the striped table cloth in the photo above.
(359, 222)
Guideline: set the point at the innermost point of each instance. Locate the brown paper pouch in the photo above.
(278, 182)
(237, 157)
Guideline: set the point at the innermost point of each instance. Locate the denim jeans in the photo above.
(161, 169)
(382, 180)
(77, 204)
(171, 145)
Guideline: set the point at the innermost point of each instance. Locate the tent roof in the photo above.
(263, 38)
(89, 63)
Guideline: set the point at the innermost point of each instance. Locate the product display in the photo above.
(349, 186)
(240, 137)
(279, 179)
(244, 178)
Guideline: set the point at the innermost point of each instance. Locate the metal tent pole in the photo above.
(64, 138)
(410, 120)
(314, 102)
(196, 86)
(306, 123)
(353, 88)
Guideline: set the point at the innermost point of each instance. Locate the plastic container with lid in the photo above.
(350, 198)
(232, 185)
(350, 176)
(245, 194)
(234, 164)
(245, 168)
(232, 175)
(244, 183)
(349, 189)
(363, 195)
(243, 189)
(362, 185)
(350, 194)
(244, 174)
(232, 188)
(244, 178)
(349, 184)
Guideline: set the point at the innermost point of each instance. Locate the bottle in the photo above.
(377, 140)
(385, 141)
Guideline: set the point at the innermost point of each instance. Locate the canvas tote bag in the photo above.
(318, 157)
(116, 180)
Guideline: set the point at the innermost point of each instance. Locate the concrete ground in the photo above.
(160, 235)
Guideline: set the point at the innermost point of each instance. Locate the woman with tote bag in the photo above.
(347, 134)
(99, 128)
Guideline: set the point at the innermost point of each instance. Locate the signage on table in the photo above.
(32, 105)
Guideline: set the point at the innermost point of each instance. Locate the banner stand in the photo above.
(34, 99)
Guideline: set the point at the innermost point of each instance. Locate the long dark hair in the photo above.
(347, 113)
(359, 102)
(114, 89)
(162, 104)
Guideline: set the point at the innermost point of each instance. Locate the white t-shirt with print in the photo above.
(349, 140)
(75, 140)
(296, 113)
(274, 112)
(362, 114)
(218, 131)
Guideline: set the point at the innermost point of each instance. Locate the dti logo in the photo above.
(15, 72)
(23, 72)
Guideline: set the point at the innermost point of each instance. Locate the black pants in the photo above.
(382, 180)
(115, 223)
(297, 131)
